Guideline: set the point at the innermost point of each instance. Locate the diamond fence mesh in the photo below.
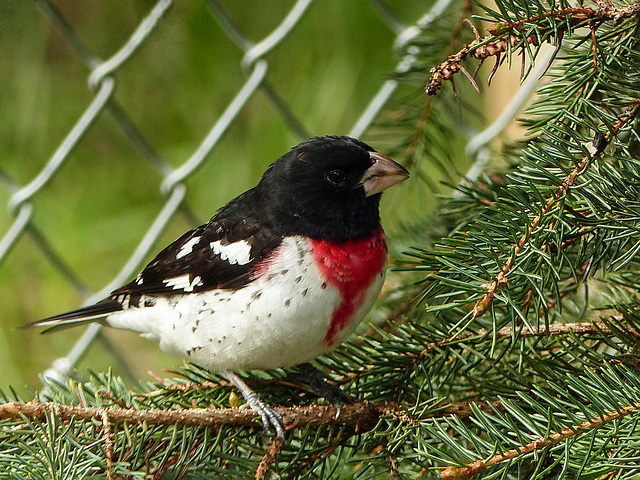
(103, 78)
(252, 69)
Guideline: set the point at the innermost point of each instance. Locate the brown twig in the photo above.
(479, 466)
(493, 71)
(269, 458)
(578, 328)
(508, 32)
(484, 303)
(108, 441)
(362, 414)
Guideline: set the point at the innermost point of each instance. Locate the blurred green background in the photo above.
(99, 205)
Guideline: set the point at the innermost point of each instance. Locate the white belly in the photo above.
(278, 320)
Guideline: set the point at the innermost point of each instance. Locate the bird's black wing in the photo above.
(222, 254)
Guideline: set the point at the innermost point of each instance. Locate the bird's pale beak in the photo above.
(383, 174)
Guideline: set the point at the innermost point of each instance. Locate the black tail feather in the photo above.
(77, 317)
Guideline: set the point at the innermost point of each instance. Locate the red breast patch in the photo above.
(350, 267)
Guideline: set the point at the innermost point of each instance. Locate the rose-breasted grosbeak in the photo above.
(279, 275)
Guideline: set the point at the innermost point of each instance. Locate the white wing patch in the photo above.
(182, 283)
(236, 253)
(187, 248)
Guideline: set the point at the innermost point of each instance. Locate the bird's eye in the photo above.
(336, 177)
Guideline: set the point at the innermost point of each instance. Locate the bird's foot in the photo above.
(270, 418)
(309, 375)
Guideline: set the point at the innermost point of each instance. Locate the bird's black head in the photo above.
(327, 187)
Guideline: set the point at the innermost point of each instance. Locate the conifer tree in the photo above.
(507, 349)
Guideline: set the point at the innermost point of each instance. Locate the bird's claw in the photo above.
(338, 407)
(270, 418)
(309, 375)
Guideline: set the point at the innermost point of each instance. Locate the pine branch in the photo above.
(363, 415)
(595, 148)
(360, 414)
(269, 458)
(510, 36)
(479, 466)
(486, 336)
(421, 122)
(541, 424)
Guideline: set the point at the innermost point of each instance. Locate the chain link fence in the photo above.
(256, 65)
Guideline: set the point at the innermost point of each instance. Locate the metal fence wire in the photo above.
(102, 81)
(256, 67)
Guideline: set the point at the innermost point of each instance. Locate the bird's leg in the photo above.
(269, 416)
(309, 375)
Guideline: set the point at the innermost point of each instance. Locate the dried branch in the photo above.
(479, 466)
(269, 458)
(466, 10)
(108, 442)
(596, 147)
(481, 49)
(556, 329)
(362, 415)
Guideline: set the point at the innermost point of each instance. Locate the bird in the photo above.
(278, 276)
